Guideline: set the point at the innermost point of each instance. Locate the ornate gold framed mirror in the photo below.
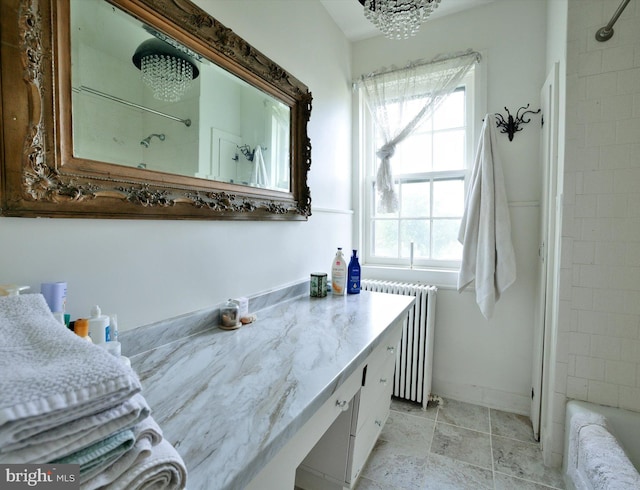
(146, 109)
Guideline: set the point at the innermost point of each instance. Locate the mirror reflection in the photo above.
(141, 99)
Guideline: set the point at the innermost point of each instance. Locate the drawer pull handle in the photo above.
(342, 405)
(383, 381)
(391, 349)
(379, 423)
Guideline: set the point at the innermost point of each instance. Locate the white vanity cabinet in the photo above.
(371, 407)
(337, 459)
(300, 402)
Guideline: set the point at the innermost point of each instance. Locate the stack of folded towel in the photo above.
(65, 400)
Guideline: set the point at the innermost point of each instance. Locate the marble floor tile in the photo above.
(501, 456)
(390, 466)
(410, 431)
(366, 484)
(444, 473)
(464, 415)
(414, 408)
(523, 460)
(511, 425)
(506, 482)
(462, 444)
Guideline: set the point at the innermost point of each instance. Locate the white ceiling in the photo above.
(349, 15)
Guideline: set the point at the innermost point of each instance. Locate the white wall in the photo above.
(488, 362)
(597, 352)
(151, 270)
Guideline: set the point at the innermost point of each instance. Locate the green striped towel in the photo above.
(102, 454)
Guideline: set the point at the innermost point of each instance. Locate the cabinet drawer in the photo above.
(384, 355)
(367, 436)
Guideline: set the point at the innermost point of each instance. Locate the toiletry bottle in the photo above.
(353, 275)
(99, 326)
(338, 273)
(113, 327)
(81, 328)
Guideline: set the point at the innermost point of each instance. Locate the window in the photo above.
(430, 169)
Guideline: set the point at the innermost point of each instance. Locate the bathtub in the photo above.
(608, 452)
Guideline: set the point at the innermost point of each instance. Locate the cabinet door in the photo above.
(378, 385)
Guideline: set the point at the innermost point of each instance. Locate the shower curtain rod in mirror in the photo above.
(82, 88)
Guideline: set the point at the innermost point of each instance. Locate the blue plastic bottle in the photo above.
(353, 275)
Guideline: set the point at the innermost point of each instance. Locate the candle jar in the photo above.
(229, 316)
(318, 285)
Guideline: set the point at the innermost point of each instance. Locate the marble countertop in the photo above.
(230, 400)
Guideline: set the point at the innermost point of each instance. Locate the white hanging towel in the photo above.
(260, 177)
(485, 230)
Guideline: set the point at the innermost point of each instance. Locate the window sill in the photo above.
(442, 278)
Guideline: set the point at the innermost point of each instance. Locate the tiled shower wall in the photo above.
(598, 348)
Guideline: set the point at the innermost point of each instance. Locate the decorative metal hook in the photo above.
(247, 152)
(511, 125)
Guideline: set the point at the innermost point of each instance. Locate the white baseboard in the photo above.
(484, 396)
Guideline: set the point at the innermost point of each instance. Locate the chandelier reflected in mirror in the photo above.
(398, 19)
(167, 71)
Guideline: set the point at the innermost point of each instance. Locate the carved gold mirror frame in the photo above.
(41, 177)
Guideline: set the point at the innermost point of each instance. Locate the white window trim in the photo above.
(444, 276)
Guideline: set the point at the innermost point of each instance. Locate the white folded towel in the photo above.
(140, 450)
(485, 231)
(146, 434)
(162, 468)
(579, 421)
(76, 435)
(602, 463)
(50, 376)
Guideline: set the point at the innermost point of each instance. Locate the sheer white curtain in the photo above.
(391, 97)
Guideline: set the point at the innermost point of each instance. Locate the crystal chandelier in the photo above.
(165, 70)
(398, 19)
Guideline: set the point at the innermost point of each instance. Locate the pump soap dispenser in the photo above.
(338, 273)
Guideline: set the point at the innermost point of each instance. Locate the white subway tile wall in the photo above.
(598, 348)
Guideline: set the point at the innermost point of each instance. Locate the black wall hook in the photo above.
(511, 125)
(247, 152)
